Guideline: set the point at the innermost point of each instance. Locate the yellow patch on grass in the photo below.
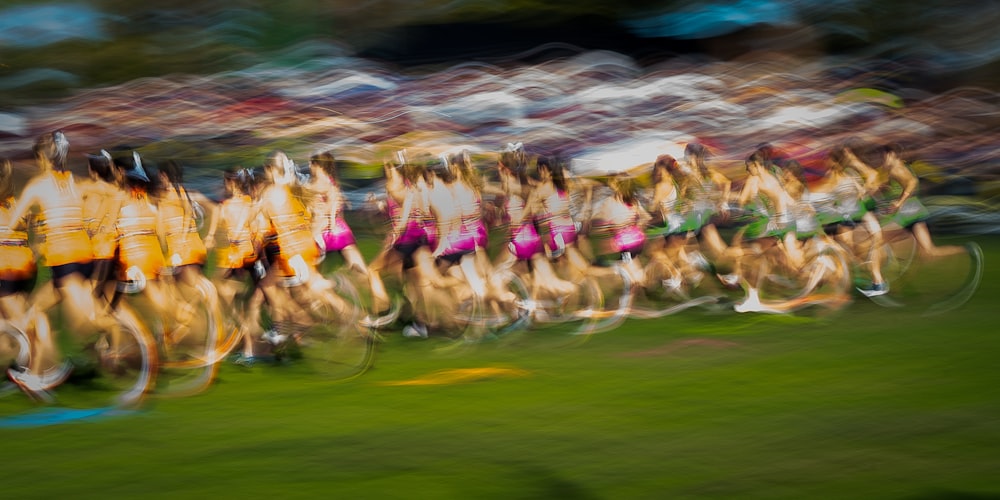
(461, 375)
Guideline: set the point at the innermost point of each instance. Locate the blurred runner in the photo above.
(327, 207)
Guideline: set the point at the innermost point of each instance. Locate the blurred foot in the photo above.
(415, 331)
(875, 290)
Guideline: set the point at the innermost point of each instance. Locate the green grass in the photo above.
(869, 403)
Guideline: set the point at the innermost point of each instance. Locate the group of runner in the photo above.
(126, 226)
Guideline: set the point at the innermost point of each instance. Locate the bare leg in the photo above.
(875, 254)
(545, 278)
(926, 243)
(355, 261)
(472, 276)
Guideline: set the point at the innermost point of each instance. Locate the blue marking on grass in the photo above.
(56, 416)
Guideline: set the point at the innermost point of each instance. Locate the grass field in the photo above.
(869, 403)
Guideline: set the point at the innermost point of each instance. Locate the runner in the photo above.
(455, 203)
(239, 261)
(56, 203)
(64, 245)
(186, 253)
(140, 236)
(905, 211)
(671, 251)
(841, 202)
(550, 200)
(294, 253)
(621, 220)
(329, 225)
(17, 263)
(18, 272)
(102, 196)
(774, 227)
(412, 235)
(524, 251)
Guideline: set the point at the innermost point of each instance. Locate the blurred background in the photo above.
(217, 84)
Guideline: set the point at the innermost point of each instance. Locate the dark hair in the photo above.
(697, 152)
(626, 188)
(513, 160)
(327, 163)
(838, 154)
(54, 147)
(755, 157)
(138, 172)
(436, 166)
(554, 167)
(773, 157)
(470, 176)
(890, 147)
(6, 179)
(238, 180)
(174, 172)
(663, 162)
(101, 165)
(412, 172)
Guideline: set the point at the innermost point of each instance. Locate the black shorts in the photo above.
(272, 251)
(242, 273)
(407, 250)
(14, 287)
(199, 267)
(455, 258)
(103, 270)
(61, 272)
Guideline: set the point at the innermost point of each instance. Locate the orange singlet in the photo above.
(184, 245)
(64, 239)
(137, 240)
(16, 259)
(290, 223)
(100, 208)
(236, 213)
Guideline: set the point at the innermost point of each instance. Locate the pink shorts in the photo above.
(559, 237)
(481, 235)
(630, 239)
(413, 234)
(525, 242)
(430, 233)
(338, 237)
(460, 244)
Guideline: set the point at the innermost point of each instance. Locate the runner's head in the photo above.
(694, 156)
(279, 168)
(512, 157)
(237, 181)
(465, 171)
(551, 169)
(439, 167)
(172, 173)
(889, 153)
(412, 172)
(6, 179)
(101, 166)
(625, 188)
(664, 167)
(771, 157)
(512, 164)
(838, 158)
(324, 162)
(52, 150)
(137, 173)
(755, 162)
